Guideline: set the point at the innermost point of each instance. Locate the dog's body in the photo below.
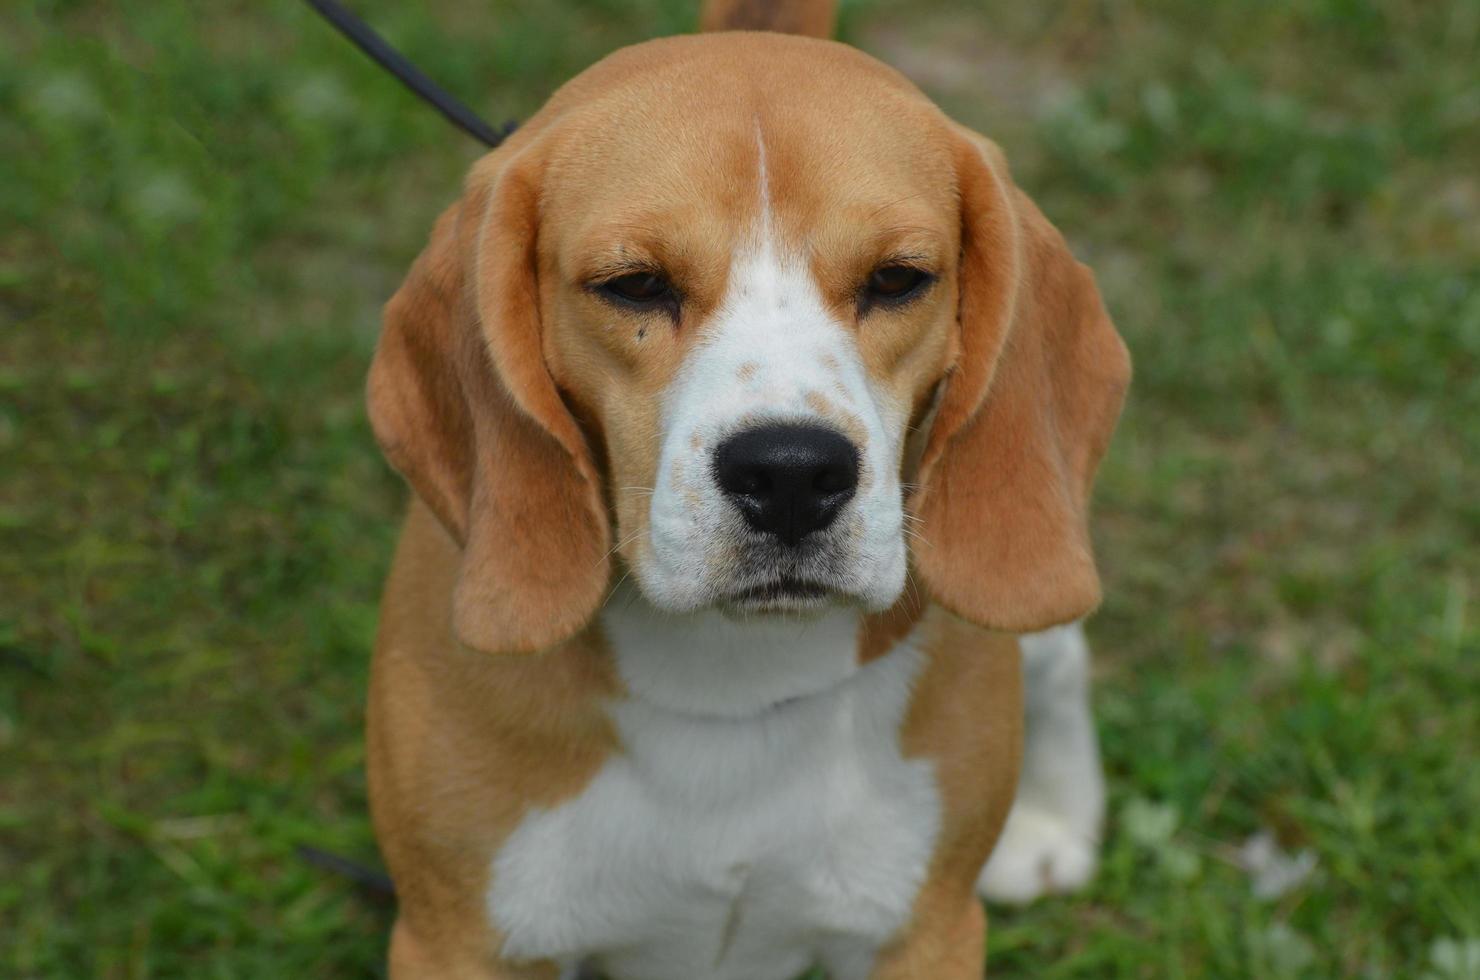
(652, 693)
(526, 806)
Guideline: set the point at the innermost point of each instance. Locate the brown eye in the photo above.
(639, 289)
(896, 283)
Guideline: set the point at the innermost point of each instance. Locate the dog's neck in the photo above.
(708, 664)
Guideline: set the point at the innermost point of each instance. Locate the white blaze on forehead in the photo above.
(772, 342)
(772, 352)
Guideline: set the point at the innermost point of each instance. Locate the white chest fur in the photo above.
(760, 819)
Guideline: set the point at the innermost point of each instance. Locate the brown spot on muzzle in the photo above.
(848, 422)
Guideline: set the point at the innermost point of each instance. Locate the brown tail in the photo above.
(812, 17)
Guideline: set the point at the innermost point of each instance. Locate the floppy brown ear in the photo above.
(1026, 413)
(463, 406)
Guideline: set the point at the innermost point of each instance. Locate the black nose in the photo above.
(788, 480)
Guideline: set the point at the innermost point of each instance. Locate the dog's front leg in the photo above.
(1052, 838)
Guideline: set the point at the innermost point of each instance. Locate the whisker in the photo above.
(909, 581)
(916, 537)
(621, 544)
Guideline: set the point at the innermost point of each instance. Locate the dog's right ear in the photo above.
(463, 405)
(1025, 417)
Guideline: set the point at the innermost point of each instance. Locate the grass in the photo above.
(200, 213)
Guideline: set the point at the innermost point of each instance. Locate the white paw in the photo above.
(1039, 853)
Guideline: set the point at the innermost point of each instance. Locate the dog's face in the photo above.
(751, 317)
(714, 312)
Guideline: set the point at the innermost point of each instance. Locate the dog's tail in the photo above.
(811, 17)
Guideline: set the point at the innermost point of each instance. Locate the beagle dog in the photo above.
(751, 414)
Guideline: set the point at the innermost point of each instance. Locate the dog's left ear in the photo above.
(463, 405)
(1027, 411)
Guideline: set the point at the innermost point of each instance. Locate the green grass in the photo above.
(203, 206)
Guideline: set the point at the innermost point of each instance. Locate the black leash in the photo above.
(412, 77)
(375, 885)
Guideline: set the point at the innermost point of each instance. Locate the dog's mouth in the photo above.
(785, 593)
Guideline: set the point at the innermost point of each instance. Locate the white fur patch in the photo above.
(759, 820)
(772, 353)
(705, 663)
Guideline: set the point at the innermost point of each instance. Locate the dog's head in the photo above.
(748, 316)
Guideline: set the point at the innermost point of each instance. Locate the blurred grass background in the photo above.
(202, 208)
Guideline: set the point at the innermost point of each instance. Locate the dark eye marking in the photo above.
(643, 291)
(895, 283)
(638, 287)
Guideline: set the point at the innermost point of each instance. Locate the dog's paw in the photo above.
(1038, 854)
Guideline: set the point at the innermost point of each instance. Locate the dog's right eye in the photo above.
(640, 289)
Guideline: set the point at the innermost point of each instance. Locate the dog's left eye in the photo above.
(639, 288)
(894, 283)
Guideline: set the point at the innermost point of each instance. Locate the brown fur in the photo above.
(523, 412)
(461, 744)
(462, 403)
(1028, 412)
